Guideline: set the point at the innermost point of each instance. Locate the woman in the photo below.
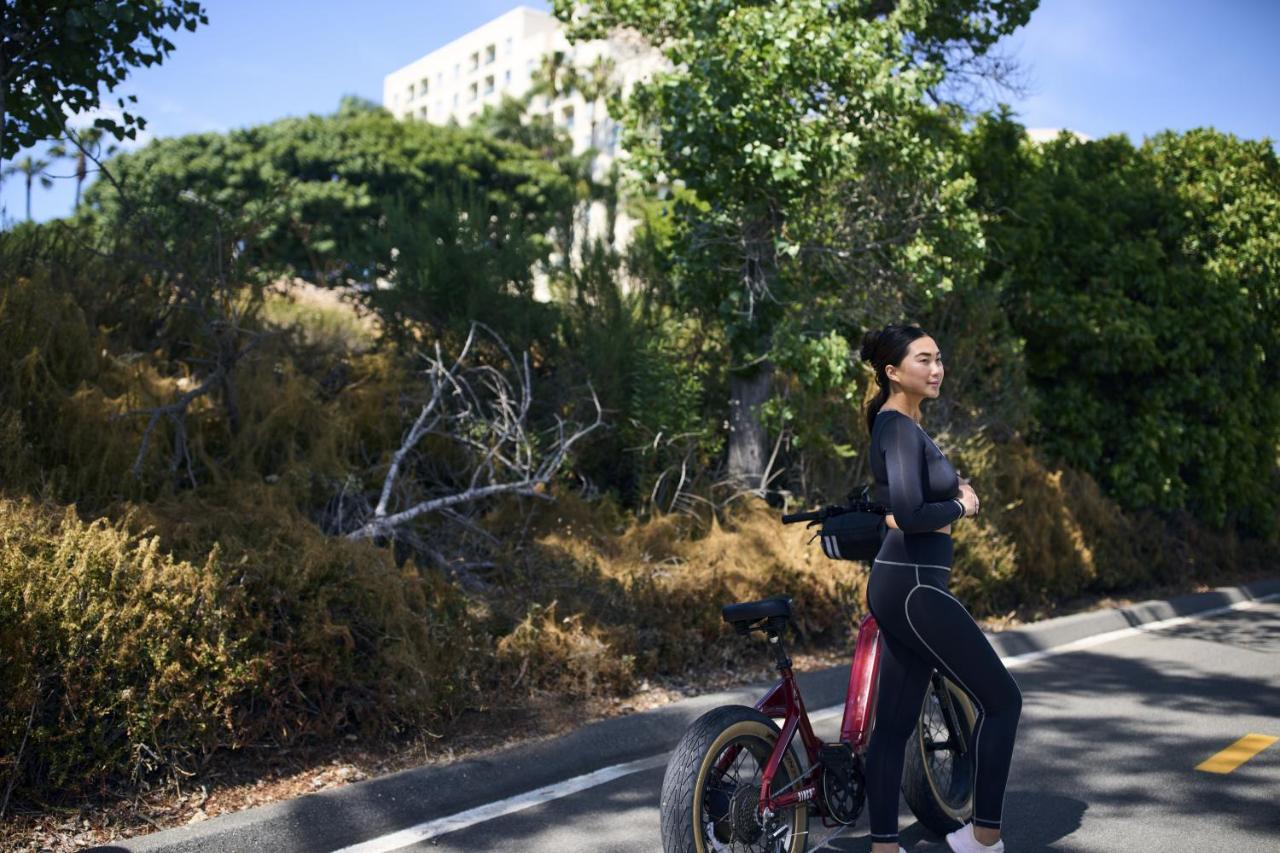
(923, 627)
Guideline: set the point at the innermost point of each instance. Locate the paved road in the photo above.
(1107, 749)
(1105, 759)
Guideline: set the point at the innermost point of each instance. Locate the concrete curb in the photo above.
(1061, 630)
(345, 816)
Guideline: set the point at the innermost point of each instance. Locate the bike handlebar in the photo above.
(834, 510)
(792, 518)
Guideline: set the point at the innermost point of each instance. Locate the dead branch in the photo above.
(484, 413)
(423, 424)
(177, 410)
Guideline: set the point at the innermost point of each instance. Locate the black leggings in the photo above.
(922, 628)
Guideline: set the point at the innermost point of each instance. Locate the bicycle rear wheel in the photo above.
(937, 775)
(704, 809)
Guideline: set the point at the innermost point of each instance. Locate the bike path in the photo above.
(1107, 733)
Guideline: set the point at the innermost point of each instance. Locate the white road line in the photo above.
(452, 823)
(470, 817)
(1121, 633)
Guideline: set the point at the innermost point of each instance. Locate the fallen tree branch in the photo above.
(484, 413)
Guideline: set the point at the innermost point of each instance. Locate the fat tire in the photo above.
(681, 827)
(918, 786)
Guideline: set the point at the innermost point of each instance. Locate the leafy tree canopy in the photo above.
(810, 192)
(55, 57)
(332, 179)
(773, 121)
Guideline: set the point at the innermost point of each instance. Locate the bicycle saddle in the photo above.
(744, 615)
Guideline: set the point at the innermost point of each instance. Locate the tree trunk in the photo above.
(748, 440)
(4, 78)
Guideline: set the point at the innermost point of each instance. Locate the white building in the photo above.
(501, 57)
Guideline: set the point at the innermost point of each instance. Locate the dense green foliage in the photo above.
(1143, 281)
(806, 184)
(332, 178)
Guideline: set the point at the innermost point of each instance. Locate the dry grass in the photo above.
(323, 317)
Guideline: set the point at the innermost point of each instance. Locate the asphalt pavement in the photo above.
(1120, 708)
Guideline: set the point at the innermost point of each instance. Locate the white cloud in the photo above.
(1048, 134)
(85, 118)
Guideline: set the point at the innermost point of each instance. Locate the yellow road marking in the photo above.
(1236, 754)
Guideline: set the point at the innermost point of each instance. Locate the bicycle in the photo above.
(712, 801)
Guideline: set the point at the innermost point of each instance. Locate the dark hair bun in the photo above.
(870, 342)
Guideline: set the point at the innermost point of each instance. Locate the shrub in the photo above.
(130, 659)
(1142, 282)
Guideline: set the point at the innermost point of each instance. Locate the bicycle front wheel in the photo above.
(937, 775)
(712, 788)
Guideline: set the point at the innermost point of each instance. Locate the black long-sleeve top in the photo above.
(913, 477)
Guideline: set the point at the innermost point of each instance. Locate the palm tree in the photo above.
(555, 76)
(85, 140)
(595, 85)
(31, 168)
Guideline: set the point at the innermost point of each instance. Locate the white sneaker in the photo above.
(962, 841)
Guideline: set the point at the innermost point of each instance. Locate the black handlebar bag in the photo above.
(853, 536)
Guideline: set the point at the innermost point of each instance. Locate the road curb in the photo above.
(345, 816)
(1061, 630)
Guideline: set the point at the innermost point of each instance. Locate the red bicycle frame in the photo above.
(784, 702)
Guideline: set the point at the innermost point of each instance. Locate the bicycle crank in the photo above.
(843, 788)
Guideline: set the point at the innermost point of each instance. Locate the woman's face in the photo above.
(920, 373)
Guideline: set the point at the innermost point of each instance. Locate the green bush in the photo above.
(1142, 281)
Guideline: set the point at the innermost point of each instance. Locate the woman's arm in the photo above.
(903, 447)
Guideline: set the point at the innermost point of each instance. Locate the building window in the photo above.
(475, 61)
(439, 79)
(473, 91)
(411, 91)
(455, 100)
(488, 85)
(506, 77)
(507, 47)
(566, 117)
(457, 69)
(422, 88)
(490, 54)
(422, 113)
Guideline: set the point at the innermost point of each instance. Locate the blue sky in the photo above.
(1095, 66)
